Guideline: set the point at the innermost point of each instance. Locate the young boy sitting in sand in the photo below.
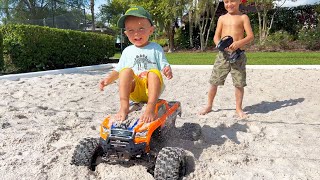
(233, 24)
(139, 67)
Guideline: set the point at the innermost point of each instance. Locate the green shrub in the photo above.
(279, 40)
(33, 48)
(161, 42)
(310, 37)
(1, 53)
(181, 39)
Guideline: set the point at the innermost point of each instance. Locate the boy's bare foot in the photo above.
(121, 115)
(241, 114)
(148, 116)
(206, 110)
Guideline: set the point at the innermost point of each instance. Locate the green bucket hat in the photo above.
(137, 11)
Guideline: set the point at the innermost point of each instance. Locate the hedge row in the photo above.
(32, 48)
(1, 53)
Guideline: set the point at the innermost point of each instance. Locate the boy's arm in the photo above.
(217, 34)
(114, 75)
(163, 63)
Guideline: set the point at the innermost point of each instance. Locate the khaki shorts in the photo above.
(140, 92)
(222, 67)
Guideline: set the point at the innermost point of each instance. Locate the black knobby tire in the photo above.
(87, 152)
(170, 164)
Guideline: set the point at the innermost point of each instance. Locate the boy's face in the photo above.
(232, 6)
(138, 30)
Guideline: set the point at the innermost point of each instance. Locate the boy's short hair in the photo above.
(136, 11)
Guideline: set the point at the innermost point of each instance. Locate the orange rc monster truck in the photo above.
(133, 141)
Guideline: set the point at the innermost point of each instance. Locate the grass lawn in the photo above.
(254, 58)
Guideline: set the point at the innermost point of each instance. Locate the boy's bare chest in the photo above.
(233, 28)
(232, 24)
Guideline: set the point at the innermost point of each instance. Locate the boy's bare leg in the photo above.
(211, 94)
(154, 87)
(239, 92)
(126, 84)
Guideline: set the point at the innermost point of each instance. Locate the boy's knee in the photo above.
(152, 74)
(126, 70)
(155, 78)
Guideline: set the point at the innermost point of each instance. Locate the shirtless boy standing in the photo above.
(236, 25)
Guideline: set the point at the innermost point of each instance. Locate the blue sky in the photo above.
(287, 4)
(98, 3)
(300, 2)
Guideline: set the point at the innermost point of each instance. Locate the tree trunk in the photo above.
(202, 29)
(205, 25)
(213, 14)
(171, 39)
(6, 12)
(259, 21)
(170, 34)
(92, 15)
(191, 28)
(202, 43)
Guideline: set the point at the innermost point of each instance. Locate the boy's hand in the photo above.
(102, 84)
(167, 72)
(234, 46)
(108, 80)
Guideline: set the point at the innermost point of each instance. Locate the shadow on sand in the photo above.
(194, 138)
(265, 107)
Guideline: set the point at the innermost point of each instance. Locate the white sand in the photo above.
(43, 118)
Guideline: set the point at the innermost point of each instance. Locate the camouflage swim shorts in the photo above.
(222, 67)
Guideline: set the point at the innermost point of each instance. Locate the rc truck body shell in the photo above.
(134, 137)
